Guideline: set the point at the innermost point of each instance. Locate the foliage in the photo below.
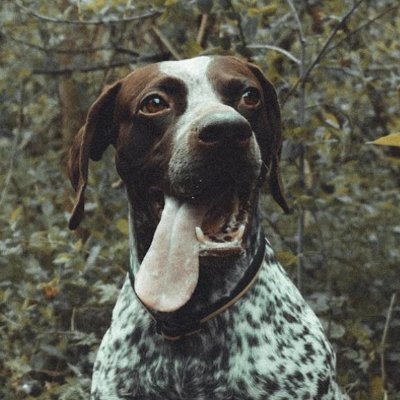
(336, 68)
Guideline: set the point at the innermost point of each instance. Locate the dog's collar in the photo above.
(175, 328)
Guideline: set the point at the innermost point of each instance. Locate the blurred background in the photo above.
(336, 67)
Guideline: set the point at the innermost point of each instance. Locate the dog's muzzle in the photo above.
(206, 211)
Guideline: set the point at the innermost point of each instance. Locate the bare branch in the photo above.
(297, 19)
(165, 41)
(239, 26)
(302, 114)
(14, 148)
(202, 29)
(28, 11)
(71, 51)
(362, 26)
(330, 38)
(69, 70)
(290, 56)
(101, 67)
(383, 341)
(322, 53)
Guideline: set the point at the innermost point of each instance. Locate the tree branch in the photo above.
(45, 18)
(289, 55)
(239, 25)
(69, 70)
(362, 26)
(383, 342)
(302, 79)
(302, 114)
(202, 29)
(72, 51)
(14, 148)
(165, 41)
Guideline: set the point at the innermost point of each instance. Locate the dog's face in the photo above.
(193, 140)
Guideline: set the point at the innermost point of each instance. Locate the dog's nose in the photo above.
(224, 128)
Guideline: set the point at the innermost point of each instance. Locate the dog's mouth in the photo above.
(222, 228)
(188, 229)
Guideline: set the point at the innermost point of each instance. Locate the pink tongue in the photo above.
(169, 272)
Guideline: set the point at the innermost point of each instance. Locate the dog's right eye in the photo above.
(154, 104)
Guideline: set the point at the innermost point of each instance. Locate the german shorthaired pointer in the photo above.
(206, 312)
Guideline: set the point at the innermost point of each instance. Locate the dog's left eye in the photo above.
(251, 97)
(154, 104)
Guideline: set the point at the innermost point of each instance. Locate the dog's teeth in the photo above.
(200, 235)
(240, 232)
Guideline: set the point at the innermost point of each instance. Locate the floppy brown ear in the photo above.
(91, 142)
(271, 150)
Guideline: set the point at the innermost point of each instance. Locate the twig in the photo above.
(239, 25)
(101, 67)
(165, 41)
(69, 70)
(302, 113)
(362, 26)
(301, 222)
(383, 341)
(73, 51)
(61, 51)
(72, 324)
(202, 29)
(322, 53)
(28, 11)
(290, 56)
(298, 23)
(14, 148)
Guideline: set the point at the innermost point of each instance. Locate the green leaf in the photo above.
(286, 258)
(63, 258)
(16, 214)
(264, 11)
(123, 226)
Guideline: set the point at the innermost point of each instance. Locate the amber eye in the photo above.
(251, 97)
(154, 104)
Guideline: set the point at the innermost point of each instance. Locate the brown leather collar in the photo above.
(177, 328)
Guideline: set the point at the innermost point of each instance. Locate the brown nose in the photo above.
(224, 128)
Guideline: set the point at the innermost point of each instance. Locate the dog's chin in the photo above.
(225, 218)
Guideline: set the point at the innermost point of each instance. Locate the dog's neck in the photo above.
(218, 277)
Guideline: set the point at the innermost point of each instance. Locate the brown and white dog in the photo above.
(206, 312)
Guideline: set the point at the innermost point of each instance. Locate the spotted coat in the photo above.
(269, 345)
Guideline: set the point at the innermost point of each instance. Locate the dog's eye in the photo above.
(154, 104)
(251, 97)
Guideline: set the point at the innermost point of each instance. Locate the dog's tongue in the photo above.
(169, 272)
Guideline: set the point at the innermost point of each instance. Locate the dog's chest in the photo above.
(202, 366)
(262, 345)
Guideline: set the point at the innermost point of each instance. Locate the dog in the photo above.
(206, 311)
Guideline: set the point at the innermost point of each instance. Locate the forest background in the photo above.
(336, 67)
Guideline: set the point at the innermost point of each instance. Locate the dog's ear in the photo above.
(271, 149)
(91, 142)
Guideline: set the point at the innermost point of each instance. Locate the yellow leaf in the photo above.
(15, 215)
(253, 12)
(269, 10)
(286, 258)
(192, 48)
(63, 258)
(376, 388)
(78, 245)
(123, 226)
(389, 140)
(24, 73)
(264, 11)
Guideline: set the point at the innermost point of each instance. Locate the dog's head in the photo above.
(194, 139)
